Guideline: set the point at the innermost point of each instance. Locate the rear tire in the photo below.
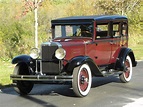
(22, 87)
(82, 79)
(127, 74)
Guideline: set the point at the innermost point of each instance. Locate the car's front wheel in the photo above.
(127, 74)
(22, 87)
(82, 79)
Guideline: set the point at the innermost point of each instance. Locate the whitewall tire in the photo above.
(127, 74)
(82, 80)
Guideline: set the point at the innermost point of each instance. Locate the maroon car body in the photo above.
(81, 47)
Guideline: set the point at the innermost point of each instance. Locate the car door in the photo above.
(116, 40)
(103, 44)
(119, 39)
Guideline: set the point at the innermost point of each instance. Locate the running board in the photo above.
(109, 73)
(40, 78)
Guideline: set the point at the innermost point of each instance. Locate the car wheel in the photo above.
(82, 79)
(127, 74)
(22, 87)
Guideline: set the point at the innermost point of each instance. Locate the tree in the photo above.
(17, 19)
(122, 7)
(81, 7)
(33, 6)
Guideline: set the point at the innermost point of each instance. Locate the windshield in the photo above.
(73, 30)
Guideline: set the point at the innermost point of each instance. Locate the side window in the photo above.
(58, 32)
(102, 31)
(116, 31)
(69, 30)
(124, 29)
(86, 30)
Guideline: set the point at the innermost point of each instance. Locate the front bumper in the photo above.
(53, 78)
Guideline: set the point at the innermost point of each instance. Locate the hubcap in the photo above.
(84, 78)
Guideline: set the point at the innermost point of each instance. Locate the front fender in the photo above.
(22, 58)
(122, 56)
(77, 61)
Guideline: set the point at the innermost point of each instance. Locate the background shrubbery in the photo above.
(17, 20)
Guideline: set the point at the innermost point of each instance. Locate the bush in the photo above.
(17, 28)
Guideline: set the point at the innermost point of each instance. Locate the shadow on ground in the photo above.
(56, 90)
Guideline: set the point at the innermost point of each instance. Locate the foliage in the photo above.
(81, 7)
(5, 71)
(17, 19)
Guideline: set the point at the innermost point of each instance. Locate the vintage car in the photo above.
(81, 47)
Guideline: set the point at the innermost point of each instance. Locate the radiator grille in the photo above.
(50, 65)
(48, 52)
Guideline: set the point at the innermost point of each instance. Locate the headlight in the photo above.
(60, 53)
(34, 53)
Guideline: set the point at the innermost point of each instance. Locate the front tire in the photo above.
(22, 87)
(127, 74)
(82, 79)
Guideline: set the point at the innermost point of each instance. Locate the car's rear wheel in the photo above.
(22, 87)
(127, 74)
(82, 79)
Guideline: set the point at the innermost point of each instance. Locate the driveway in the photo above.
(105, 92)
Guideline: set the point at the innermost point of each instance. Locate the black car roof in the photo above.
(87, 19)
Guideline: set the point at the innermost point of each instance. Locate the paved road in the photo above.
(105, 92)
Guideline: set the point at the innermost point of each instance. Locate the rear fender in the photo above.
(121, 58)
(78, 61)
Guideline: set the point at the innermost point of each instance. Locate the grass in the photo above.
(137, 47)
(6, 68)
(138, 51)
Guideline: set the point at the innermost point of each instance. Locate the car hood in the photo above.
(74, 46)
(73, 41)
